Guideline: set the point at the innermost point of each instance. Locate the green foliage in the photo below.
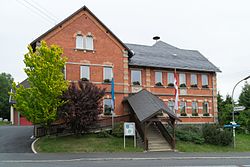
(216, 136)
(83, 104)
(118, 129)
(39, 103)
(103, 134)
(224, 109)
(244, 120)
(244, 98)
(190, 134)
(5, 86)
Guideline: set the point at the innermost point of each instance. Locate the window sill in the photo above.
(156, 86)
(85, 50)
(106, 83)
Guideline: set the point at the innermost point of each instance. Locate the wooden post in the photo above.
(173, 134)
(145, 136)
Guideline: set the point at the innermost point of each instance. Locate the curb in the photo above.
(32, 146)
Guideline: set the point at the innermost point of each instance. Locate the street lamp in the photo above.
(233, 123)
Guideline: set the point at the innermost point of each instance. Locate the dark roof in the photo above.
(25, 83)
(84, 8)
(163, 55)
(146, 105)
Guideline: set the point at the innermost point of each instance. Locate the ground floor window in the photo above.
(183, 108)
(171, 105)
(205, 109)
(107, 107)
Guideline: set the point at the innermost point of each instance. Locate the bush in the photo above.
(118, 130)
(190, 134)
(103, 134)
(216, 136)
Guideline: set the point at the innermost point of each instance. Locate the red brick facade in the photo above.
(110, 52)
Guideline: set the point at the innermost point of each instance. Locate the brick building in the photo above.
(96, 54)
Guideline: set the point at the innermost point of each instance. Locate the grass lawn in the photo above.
(85, 143)
(242, 145)
(4, 123)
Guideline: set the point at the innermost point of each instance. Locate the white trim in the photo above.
(81, 72)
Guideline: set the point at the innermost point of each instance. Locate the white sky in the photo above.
(219, 29)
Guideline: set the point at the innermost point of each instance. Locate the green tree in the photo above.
(244, 98)
(224, 109)
(39, 103)
(5, 86)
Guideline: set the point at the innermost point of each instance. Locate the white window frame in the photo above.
(172, 105)
(207, 106)
(104, 106)
(196, 106)
(195, 80)
(88, 72)
(104, 73)
(182, 79)
(170, 77)
(185, 105)
(90, 41)
(132, 71)
(156, 79)
(204, 78)
(79, 44)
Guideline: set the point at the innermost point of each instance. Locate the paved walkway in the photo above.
(15, 139)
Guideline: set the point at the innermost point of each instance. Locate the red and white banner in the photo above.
(176, 91)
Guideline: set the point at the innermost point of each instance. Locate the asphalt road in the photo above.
(162, 159)
(15, 139)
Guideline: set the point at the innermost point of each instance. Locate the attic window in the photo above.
(84, 42)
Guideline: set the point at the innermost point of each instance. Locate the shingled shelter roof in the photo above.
(146, 105)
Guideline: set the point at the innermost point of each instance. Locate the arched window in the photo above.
(89, 43)
(79, 42)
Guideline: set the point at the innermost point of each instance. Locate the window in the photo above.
(84, 42)
(204, 78)
(107, 106)
(171, 105)
(89, 43)
(182, 80)
(108, 74)
(158, 78)
(170, 79)
(194, 109)
(84, 72)
(136, 77)
(183, 107)
(205, 109)
(193, 80)
(79, 42)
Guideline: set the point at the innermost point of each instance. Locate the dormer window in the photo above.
(79, 42)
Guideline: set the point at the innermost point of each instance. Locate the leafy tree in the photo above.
(39, 103)
(82, 107)
(224, 109)
(5, 86)
(244, 98)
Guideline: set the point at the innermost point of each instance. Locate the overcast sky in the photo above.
(219, 29)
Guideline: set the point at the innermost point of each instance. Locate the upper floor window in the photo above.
(84, 42)
(170, 79)
(171, 105)
(89, 43)
(107, 106)
(194, 108)
(158, 78)
(107, 74)
(205, 108)
(182, 79)
(84, 72)
(136, 77)
(79, 42)
(204, 79)
(193, 80)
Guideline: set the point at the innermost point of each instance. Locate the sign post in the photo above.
(129, 130)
